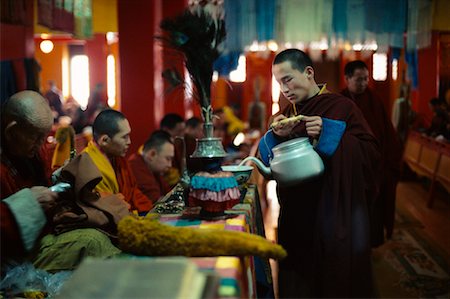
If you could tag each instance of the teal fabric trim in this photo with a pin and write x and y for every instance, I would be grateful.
(332, 131)
(28, 214)
(213, 184)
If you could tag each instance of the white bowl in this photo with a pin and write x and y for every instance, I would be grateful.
(241, 173)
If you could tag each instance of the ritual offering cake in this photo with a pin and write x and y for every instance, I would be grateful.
(215, 192)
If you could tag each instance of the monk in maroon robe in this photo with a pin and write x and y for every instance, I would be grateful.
(149, 165)
(383, 210)
(324, 223)
(26, 120)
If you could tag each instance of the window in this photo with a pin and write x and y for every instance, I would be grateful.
(79, 79)
(111, 79)
(379, 67)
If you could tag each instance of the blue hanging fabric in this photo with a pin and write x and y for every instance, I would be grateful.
(418, 34)
(265, 19)
(356, 21)
(7, 79)
(386, 20)
(413, 67)
(226, 63)
(396, 53)
(240, 22)
(339, 23)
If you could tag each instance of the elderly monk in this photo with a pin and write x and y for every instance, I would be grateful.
(108, 148)
(324, 222)
(154, 161)
(26, 120)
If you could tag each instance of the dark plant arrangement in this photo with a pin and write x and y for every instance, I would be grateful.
(198, 34)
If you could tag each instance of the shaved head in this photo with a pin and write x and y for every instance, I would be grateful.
(26, 121)
(30, 107)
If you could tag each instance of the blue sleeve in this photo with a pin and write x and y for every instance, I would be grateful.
(332, 131)
(267, 142)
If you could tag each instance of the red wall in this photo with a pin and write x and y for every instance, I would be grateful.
(16, 43)
(96, 49)
(428, 79)
(137, 67)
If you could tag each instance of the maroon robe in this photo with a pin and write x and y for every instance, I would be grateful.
(324, 223)
(151, 184)
(15, 175)
(391, 155)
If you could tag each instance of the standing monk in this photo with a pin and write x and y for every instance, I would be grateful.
(383, 210)
(324, 223)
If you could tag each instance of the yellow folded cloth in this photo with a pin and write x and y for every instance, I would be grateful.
(109, 183)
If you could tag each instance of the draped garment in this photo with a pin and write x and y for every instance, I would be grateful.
(324, 223)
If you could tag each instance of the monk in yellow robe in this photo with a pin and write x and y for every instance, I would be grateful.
(108, 148)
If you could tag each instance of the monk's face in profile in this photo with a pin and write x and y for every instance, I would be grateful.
(117, 145)
(160, 160)
(358, 82)
(295, 85)
(25, 140)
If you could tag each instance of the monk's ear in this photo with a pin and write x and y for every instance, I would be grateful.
(10, 128)
(309, 71)
(152, 152)
(104, 140)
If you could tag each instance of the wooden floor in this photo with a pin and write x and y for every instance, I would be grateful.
(411, 196)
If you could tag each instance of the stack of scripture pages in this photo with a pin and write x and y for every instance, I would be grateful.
(152, 278)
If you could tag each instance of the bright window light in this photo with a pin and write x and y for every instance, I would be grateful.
(111, 79)
(275, 96)
(379, 67)
(239, 74)
(215, 76)
(395, 69)
(65, 77)
(79, 79)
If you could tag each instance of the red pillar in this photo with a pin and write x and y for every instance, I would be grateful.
(97, 51)
(141, 90)
(174, 99)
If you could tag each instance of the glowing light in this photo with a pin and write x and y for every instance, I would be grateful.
(79, 77)
(240, 137)
(65, 77)
(379, 67)
(46, 46)
(239, 75)
(254, 46)
(395, 69)
(215, 76)
(357, 47)
(272, 45)
(111, 80)
(275, 96)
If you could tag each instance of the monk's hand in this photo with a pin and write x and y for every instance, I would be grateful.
(313, 125)
(44, 196)
(281, 128)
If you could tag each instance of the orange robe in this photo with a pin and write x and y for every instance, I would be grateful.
(118, 178)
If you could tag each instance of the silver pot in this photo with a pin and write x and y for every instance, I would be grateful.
(294, 161)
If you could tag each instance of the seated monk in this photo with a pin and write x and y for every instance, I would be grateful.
(111, 139)
(149, 166)
(26, 120)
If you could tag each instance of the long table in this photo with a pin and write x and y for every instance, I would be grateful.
(240, 277)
